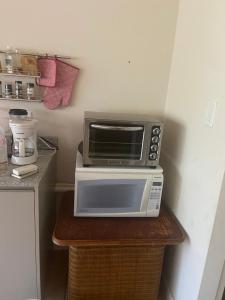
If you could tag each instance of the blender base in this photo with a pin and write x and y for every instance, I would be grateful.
(24, 160)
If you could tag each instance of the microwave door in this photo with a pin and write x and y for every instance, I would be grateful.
(109, 197)
(115, 141)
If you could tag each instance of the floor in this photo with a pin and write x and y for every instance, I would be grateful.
(57, 276)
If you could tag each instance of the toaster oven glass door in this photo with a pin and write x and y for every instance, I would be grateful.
(110, 196)
(115, 141)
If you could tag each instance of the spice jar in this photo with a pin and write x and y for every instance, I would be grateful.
(0, 89)
(30, 90)
(8, 90)
(18, 89)
(9, 60)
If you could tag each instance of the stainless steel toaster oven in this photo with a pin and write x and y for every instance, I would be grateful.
(121, 140)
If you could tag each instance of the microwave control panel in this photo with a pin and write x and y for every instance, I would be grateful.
(155, 195)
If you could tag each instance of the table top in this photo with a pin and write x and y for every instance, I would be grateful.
(93, 231)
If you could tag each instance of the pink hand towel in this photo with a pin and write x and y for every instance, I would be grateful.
(47, 68)
(61, 93)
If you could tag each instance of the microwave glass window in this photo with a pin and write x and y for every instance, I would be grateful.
(115, 140)
(110, 195)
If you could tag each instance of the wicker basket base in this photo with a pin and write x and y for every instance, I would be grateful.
(115, 273)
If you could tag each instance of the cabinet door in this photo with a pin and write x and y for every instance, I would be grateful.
(17, 246)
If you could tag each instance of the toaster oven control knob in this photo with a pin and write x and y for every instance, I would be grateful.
(155, 139)
(153, 156)
(154, 148)
(156, 131)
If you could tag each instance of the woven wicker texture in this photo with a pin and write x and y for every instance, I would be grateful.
(118, 273)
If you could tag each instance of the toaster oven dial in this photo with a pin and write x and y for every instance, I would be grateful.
(156, 131)
(153, 156)
(155, 139)
(154, 148)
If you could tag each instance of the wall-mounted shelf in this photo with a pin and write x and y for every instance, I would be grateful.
(17, 52)
(20, 99)
(19, 74)
(24, 77)
(18, 78)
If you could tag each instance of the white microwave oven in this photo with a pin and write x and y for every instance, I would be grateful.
(116, 191)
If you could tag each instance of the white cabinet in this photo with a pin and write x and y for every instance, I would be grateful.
(26, 224)
(18, 279)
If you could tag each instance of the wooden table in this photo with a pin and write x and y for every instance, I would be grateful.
(115, 258)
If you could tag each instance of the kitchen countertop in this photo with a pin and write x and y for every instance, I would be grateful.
(8, 182)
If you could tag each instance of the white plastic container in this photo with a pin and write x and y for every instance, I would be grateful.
(3, 151)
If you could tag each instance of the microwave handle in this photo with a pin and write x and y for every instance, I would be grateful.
(121, 128)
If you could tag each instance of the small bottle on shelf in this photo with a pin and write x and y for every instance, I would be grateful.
(18, 90)
(9, 60)
(30, 91)
(8, 90)
(1, 89)
(17, 61)
(3, 152)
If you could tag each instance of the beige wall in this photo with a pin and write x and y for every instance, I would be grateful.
(102, 36)
(195, 153)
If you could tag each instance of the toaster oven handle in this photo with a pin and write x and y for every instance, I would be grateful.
(121, 128)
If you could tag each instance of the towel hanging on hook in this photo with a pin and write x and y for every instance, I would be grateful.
(60, 94)
(47, 69)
